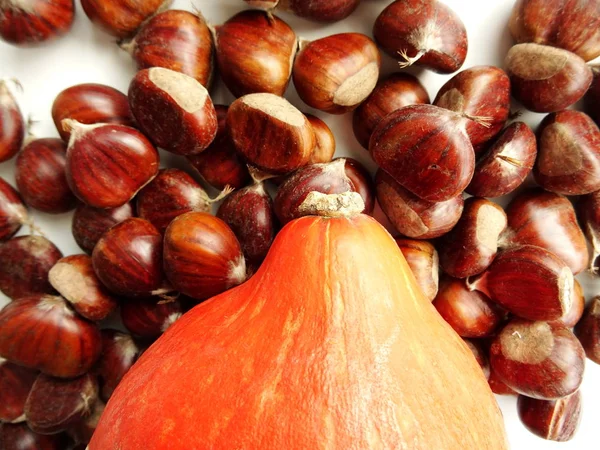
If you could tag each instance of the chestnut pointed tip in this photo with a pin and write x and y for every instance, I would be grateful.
(237, 273)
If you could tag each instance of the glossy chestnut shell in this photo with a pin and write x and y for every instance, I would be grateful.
(12, 124)
(13, 212)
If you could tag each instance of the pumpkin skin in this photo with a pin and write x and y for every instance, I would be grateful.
(330, 345)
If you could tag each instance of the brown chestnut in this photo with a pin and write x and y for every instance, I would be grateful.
(538, 359)
(325, 141)
(255, 53)
(128, 259)
(362, 182)
(149, 318)
(319, 10)
(480, 356)
(546, 79)
(119, 353)
(82, 431)
(24, 265)
(392, 93)
(422, 32)
(413, 217)
(202, 256)
(592, 96)
(20, 437)
(588, 330)
(34, 21)
(504, 166)
(74, 278)
(174, 110)
(176, 40)
(41, 176)
(108, 164)
(553, 420)
(470, 313)
(422, 258)
(13, 212)
(90, 103)
(15, 385)
(588, 209)
(41, 332)
(12, 124)
(89, 224)
(498, 386)
(336, 73)
(270, 133)
(572, 317)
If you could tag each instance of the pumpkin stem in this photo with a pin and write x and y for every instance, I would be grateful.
(347, 204)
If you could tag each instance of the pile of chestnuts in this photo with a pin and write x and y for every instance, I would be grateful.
(503, 278)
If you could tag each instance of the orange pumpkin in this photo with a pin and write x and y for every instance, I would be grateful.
(330, 345)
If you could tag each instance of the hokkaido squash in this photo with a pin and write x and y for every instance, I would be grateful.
(330, 345)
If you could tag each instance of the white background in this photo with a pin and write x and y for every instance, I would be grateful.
(89, 55)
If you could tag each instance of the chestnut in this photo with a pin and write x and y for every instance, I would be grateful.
(41, 176)
(546, 79)
(81, 432)
(24, 265)
(422, 258)
(121, 18)
(548, 220)
(413, 217)
(149, 318)
(325, 141)
(568, 159)
(13, 212)
(176, 40)
(504, 166)
(89, 224)
(255, 53)
(572, 317)
(423, 32)
(20, 437)
(35, 21)
(588, 330)
(553, 420)
(42, 333)
(522, 273)
(406, 144)
(588, 209)
(362, 182)
(249, 213)
(202, 256)
(119, 353)
(538, 359)
(471, 246)
(470, 313)
(480, 356)
(74, 278)
(319, 10)
(478, 92)
(90, 103)
(220, 165)
(174, 110)
(12, 124)
(337, 73)
(15, 385)
(571, 26)
(392, 93)
(498, 386)
(108, 164)
(55, 404)
(128, 258)
(592, 96)
(270, 133)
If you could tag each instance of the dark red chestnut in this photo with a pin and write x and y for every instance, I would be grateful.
(255, 53)
(392, 93)
(423, 32)
(548, 220)
(149, 318)
(202, 256)
(498, 386)
(325, 141)
(569, 24)
(422, 258)
(24, 265)
(108, 164)
(480, 356)
(546, 79)
(89, 224)
(74, 278)
(13, 212)
(41, 332)
(568, 159)
(336, 73)
(34, 21)
(572, 317)
(592, 97)
(319, 10)
(90, 104)
(553, 420)
(406, 144)
(176, 40)
(83, 430)
(15, 385)
(174, 110)
(122, 18)
(20, 437)
(41, 177)
(362, 182)
(504, 166)
(128, 259)
(12, 124)
(538, 359)
(413, 217)
(479, 92)
(588, 330)
(119, 353)
(270, 133)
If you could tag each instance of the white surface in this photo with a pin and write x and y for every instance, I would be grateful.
(88, 55)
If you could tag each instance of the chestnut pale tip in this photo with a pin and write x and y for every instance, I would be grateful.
(237, 272)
